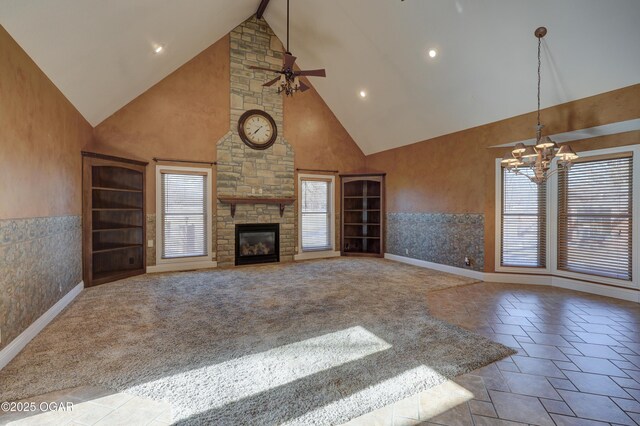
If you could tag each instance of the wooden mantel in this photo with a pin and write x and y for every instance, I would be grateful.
(233, 201)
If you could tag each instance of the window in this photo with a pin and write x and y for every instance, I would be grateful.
(595, 217)
(184, 213)
(523, 222)
(316, 214)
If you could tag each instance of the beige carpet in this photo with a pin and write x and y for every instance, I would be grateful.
(316, 342)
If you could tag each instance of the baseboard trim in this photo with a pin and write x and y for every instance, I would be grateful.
(515, 278)
(527, 279)
(17, 344)
(437, 266)
(176, 267)
(309, 255)
(564, 282)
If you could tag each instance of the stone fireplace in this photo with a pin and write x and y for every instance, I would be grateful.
(257, 243)
(243, 172)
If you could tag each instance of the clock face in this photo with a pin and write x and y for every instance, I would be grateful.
(257, 129)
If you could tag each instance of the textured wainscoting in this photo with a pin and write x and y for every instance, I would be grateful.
(40, 262)
(437, 237)
(151, 235)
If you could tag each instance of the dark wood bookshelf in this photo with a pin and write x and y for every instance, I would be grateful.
(114, 219)
(362, 208)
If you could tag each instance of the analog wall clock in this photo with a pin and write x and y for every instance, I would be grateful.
(257, 129)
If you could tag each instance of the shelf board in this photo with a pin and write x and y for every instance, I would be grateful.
(233, 201)
(362, 253)
(362, 223)
(117, 209)
(361, 237)
(100, 277)
(104, 188)
(121, 228)
(116, 247)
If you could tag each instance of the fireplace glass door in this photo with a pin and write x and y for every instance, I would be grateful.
(257, 243)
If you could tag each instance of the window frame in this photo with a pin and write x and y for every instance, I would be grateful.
(160, 218)
(635, 238)
(316, 254)
(498, 231)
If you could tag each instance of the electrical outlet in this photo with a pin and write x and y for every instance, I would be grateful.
(467, 261)
(60, 288)
(253, 190)
(149, 243)
(406, 251)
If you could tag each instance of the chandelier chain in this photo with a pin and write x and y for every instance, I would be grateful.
(539, 66)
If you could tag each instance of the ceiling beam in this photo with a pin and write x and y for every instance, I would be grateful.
(261, 8)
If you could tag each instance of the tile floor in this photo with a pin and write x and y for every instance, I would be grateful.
(578, 363)
(90, 405)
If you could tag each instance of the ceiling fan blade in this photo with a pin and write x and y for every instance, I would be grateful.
(264, 69)
(289, 60)
(303, 87)
(312, 73)
(272, 82)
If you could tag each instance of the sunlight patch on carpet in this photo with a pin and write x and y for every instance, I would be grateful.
(249, 375)
(454, 396)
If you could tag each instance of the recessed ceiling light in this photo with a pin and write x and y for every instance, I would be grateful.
(433, 53)
(363, 94)
(158, 49)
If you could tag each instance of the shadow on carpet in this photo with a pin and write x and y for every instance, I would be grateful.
(305, 343)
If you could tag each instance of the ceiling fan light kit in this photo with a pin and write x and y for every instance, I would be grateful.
(537, 158)
(289, 79)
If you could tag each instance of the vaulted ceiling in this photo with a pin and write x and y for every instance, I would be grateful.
(99, 54)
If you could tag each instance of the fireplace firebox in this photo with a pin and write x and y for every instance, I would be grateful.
(257, 243)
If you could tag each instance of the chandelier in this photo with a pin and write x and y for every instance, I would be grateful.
(289, 83)
(534, 161)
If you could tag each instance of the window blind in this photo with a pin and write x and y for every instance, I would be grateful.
(594, 217)
(523, 222)
(316, 215)
(184, 215)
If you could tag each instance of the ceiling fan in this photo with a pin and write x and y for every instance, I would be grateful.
(289, 81)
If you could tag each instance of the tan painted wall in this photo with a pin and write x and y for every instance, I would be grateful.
(455, 173)
(318, 138)
(181, 117)
(41, 135)
(185, 114)
(320, 142)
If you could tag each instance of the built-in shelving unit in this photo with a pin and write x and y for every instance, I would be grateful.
(362, 214)
(113, 218)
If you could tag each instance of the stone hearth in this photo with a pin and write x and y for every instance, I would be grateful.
(241, 170)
